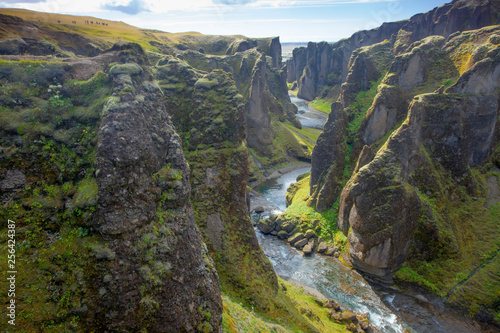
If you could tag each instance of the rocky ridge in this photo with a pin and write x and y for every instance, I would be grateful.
(320, 67)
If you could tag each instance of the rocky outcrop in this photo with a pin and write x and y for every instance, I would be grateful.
(311, 68)
(328, 159)
(275, 52)
(328, 64)
(259, 120)
(425, 63)
(408, 71)
(159, 273)
(230, 45)
(482, 78)
(388, 108)
(367, 64)
(262, 86)
(428, 63)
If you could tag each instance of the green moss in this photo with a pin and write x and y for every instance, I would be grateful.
(357, 110)
(86, 194)
(205, 83)
(292, 142)
(408, 275)
(131, 69)
(58, 124)
(465, 253)
(292, 311)
(306, 133)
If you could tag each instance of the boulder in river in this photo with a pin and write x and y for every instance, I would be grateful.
(309, 248)
(265, 226)
(301, 243)
(259, 209)
(331, 251)
(322, 247)
(295, 238)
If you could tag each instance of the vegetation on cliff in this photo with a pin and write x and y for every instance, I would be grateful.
(449, 242)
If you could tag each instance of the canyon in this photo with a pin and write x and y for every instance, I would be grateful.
(128, 158)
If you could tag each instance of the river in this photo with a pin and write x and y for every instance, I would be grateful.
(325, 274)
(389, 310)
(308, 116)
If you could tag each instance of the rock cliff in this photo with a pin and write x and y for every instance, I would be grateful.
(320, 67)
(408, 157)
(214, 127)
(115, 232)
(412, 156)
(261, 83)
(164, 274)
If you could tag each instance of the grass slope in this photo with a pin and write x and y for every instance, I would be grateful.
(303, 314)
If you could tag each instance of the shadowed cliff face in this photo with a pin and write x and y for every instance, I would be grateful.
(409, 151)
(429, 64)
(380, 205)
(356, 67)
(328, 159)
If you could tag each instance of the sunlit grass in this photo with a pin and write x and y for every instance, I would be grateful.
(322, 105)
(292, 311)
(307, 132)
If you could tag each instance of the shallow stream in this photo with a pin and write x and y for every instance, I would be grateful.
(389, 310)
(307, 116)
(327, 275)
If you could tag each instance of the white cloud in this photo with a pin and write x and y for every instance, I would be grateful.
(161, 6)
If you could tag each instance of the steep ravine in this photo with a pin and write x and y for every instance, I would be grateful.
(126, 167)
(406, 159)
(389, 309)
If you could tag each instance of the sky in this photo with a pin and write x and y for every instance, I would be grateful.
(291, 20)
